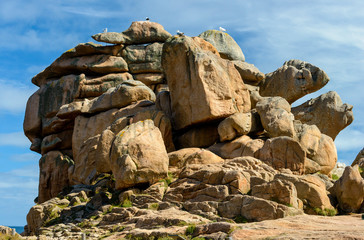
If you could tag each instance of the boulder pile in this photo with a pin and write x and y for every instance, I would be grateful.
(153, 135)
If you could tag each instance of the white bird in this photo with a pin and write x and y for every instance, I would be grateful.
(105, 30)
(147, 19)
(222, 29)
(180, 33)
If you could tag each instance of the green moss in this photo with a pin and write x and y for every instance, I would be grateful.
(325, 212)
(127, 203)
(154, 206)
(190, 229)
(240, 219)
(335, 177)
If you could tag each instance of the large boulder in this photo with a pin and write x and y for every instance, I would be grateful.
(293, 80)
(93, 64)
(281, 191)
(359, 159)
(138, 33)
(32, 124)
(283, 152)
(249, 73)
(224, 43)
(349, 190)
(327, 112)
(203, 87)
(144, 59)
(239, 147)
(238, 124)
(276, 117)
(53, 176)
(138, 155)
(311, 190)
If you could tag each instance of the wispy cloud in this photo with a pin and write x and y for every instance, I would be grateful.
(17, 139)
(14, 97)
(25, 157)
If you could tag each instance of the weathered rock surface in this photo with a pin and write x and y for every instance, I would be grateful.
(359, 159)
(138, 33)
(203, 87)
(349, 190)
(293, 80)
(224, 43)
(275, 114)
(53, 176)
(327, 112)
(283, 152)
(248, 72)
(138, 155)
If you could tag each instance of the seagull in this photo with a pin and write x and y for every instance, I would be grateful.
(147, 19)
(105, 30)
(180, 33)
(222, 29)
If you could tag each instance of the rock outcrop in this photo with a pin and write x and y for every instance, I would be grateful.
(156, 135)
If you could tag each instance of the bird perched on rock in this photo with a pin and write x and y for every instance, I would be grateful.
(147, 19)
(180, 33)
(105, 30)
(222, 29)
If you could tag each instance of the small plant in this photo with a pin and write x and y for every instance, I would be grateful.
(190, 229)
(127, 203)
(325, 212)
(334, 177)
(85, 224)
(117, 228)
(154, 206)
(240, 219)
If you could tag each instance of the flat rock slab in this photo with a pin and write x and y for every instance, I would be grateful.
(304, 227)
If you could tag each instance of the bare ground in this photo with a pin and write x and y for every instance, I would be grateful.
(304, 227)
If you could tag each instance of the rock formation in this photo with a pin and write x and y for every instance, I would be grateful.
(157, 135)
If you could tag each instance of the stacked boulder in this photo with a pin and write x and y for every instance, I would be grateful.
(152, 105)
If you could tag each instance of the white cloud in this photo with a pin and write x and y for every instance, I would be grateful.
(350, 140)
(17, 139)
(26, 157)
(14, 97)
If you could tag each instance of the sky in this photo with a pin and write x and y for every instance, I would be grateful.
(328, 34)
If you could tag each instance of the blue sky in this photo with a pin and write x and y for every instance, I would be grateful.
(329, 34)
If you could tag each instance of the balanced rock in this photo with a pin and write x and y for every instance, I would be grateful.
(224, 43)
(327, 112)
(138, 33)
(275, 114)
(203, 87)
(248, 72)
(349, 190)
(138, 155)
(293, 80)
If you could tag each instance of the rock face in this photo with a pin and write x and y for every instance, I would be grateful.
(327, 112)
(138, 155)
(203, 87)
(349, 190)
(156, 135)
(293, 80)
(224, 43)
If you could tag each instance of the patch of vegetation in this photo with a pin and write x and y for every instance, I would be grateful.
(9, 237)
(127, 203)
(117, 228)
(190, 229)
(85, 224)
(240, 219)
(325, 212)
(334, 177)
(154, 206)
(167, 181)
(52, 219)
